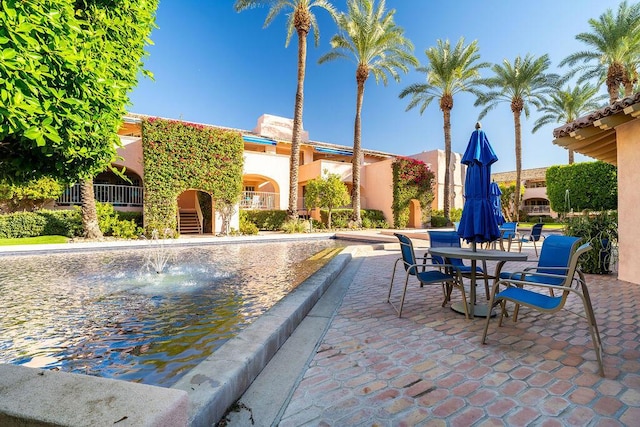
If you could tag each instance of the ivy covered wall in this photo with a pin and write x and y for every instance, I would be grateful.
(585, 185)
(179, 156)
(412, 179)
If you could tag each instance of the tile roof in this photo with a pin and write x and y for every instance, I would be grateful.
(525, 174)
(594, 135)
(588, 120)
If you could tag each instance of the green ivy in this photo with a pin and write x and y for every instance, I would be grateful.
(179, 156)
(412, 179)
(590, 185)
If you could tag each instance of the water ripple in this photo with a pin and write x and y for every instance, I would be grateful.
(106, 314)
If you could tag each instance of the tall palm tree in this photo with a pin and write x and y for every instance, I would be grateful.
(614, 48)
(520, 84)
(370, 37)
(567, 105)
(302, 21)
(449, 71)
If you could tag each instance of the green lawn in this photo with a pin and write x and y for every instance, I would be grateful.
(40, 240)
(553, 226)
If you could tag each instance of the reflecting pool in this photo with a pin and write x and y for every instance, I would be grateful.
(107, 314)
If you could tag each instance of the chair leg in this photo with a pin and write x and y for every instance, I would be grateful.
(392, 277)
(503, 311)
(593, 326)
(404, 292)
(486, 280)
(447, 293)
(460, 285)
(490, 306)
(535, 246)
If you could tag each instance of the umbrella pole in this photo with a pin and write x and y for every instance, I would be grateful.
(473, 246)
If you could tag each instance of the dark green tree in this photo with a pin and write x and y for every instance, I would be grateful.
(66, 70)
(586, 185)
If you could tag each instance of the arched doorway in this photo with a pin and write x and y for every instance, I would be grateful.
(195, 212)
(415, 214)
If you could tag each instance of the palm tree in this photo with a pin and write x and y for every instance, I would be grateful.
(302, 20)
(567, 105)
(614, 47)
(449, 71)
(522, 83)
(370, 37)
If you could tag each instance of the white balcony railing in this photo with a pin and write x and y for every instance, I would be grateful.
(540, 209)
(259, 200)
(117, 195)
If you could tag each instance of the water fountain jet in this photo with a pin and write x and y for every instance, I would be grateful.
(158, 255)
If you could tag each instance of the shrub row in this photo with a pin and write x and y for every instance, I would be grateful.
(438, 220)
(40, 223)
(371, 218)
(269, 220)
(69, 223)
(273, 220)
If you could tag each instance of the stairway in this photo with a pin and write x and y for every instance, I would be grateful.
(189, 223)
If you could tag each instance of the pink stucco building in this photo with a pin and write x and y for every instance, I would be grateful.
(267, 150)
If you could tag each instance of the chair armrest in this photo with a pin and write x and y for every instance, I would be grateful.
(526, 278)
(521, 283)
(423, 267)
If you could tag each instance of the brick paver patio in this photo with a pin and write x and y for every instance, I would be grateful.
(429, 367)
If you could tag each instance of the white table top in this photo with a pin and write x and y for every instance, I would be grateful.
(482, 254)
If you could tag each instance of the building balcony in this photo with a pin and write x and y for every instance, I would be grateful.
(117, 195)
(537, 210)
(259, 200)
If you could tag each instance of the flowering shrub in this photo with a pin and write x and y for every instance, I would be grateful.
(412, 179)
(179, 156)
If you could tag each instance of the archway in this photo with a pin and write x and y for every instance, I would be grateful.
(415, 214)
(195, 212)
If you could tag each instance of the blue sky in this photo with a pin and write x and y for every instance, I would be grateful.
(216, 66)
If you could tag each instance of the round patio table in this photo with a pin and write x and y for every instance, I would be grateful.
(479, 310)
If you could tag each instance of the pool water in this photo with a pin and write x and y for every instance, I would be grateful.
(107, 314)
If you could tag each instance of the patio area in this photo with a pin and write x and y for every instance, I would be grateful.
(429, 367)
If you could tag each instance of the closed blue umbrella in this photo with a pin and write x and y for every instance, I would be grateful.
(496, 202)
(478, 223)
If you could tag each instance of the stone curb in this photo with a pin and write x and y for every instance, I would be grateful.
(221, 379)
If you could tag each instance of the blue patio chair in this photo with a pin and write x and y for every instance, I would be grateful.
(445, 275)
(439, 239)
(534, 236)
(508, 233)
(557, 274)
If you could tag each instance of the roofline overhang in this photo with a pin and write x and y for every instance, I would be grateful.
(594, 135)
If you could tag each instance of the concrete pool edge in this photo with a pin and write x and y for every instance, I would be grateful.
(36, 397)
(234, 369)
(220, 380)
